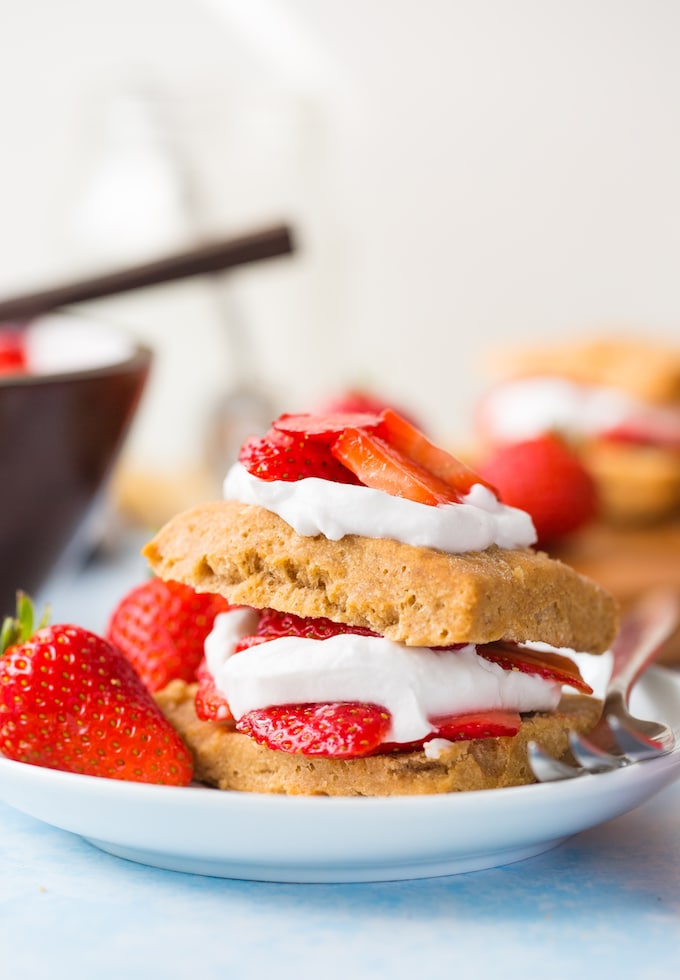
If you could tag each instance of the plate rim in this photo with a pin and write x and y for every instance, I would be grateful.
(54, 797)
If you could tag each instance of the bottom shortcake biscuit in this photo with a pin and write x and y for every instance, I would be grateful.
(228, 760)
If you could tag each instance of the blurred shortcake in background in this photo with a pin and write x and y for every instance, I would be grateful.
(591, 429)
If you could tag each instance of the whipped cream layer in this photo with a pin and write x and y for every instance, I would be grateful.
(313, 506)
(528, 407)
(415, 684)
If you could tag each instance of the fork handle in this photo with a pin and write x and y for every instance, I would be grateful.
(643, 629)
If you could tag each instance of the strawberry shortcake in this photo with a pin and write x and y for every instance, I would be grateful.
(391, 628)
(616, 399)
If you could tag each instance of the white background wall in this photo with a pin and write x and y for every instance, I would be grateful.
(459, 174)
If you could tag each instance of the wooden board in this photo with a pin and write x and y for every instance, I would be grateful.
(627, 562)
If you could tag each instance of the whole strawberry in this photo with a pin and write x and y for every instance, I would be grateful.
(70, 700)
(544, 477)
(161, 628)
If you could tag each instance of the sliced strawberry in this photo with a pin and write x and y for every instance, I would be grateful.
(384, 451)
(382, 467)
(659, 428)
(458, 728)
(478, 724)
(249, 641)
(551, 666)
(361, 400)
(274, 624)
(209, 703)
(325, 428)
(350, 730)
(280, 456)
(410, 441)
(339, 731)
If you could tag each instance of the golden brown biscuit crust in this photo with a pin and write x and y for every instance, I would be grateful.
(230, 761)
(412, 595)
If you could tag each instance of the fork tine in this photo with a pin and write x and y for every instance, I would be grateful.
(546, 768)
(590, 758)
(632, 742)
(593, 758)
(641, 636)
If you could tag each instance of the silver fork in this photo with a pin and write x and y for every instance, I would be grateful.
(619, 738)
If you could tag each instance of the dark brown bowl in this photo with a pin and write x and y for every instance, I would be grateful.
(60, 435)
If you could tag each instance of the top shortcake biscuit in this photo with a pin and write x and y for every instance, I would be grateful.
(413, 595)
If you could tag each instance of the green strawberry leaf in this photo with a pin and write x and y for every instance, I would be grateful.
(21, 627)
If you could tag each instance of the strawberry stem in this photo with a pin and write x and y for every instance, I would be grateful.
(19, 628)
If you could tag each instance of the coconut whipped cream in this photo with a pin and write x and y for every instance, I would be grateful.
(414, 684)
(313, 506)
(528, 407)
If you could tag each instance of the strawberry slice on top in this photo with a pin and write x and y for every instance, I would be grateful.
(326, 428)
(289, 457)
(381, 466)
(380, 450)
(410, 441)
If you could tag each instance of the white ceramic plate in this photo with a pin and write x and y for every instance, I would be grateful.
(318, 839)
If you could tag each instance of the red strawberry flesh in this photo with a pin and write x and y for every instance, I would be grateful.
(273, 624)
(326, 428)
(70, 700)
(210, 704)
(379, 465)
(280, 456)
(339, 730)
(458, 728)
(414, 444)
(479, 724)
(546, 664)
(346, 730)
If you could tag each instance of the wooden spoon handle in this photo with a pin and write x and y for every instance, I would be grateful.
(213, 257)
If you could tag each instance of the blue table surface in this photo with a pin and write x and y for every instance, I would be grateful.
(606, 901)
